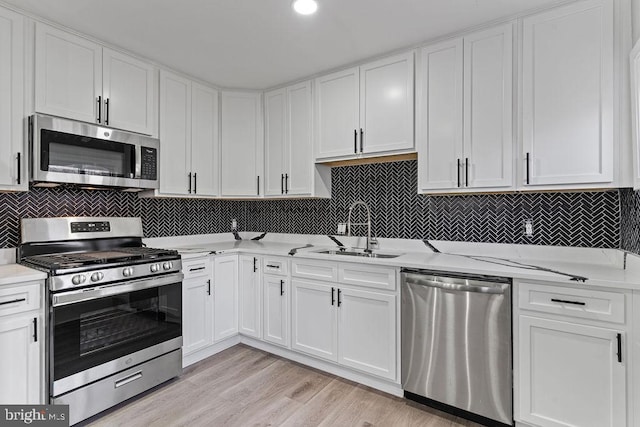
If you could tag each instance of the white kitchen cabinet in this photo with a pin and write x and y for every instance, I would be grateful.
(188, 137)
(567, 96)
(78, 79)
(289, 166)
(241, 144)
(225, 299)
(464, 112)
(275, 322)
(197, 315)
(314, 327)
(250, 296)
(22, 344)
(13, 170)
(634, 58)
(570, 374)
(366, 110)
(367, 331)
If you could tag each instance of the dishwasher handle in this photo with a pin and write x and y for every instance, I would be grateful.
(493, 288)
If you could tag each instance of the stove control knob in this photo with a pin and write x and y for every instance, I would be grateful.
(127, 272)
(167, 265)
(78, 279)
(97, 276)
(154, 268)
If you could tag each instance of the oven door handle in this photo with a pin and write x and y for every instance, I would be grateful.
(87, 294)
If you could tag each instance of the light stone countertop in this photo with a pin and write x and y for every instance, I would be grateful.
(11, 274)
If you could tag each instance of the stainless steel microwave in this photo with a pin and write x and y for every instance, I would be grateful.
(66, 151)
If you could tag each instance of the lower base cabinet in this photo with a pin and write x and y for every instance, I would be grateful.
(197, 320)
(570, 374)
(313, 319)
(20, 365)
(250, 296)
(225, 297)
(275, 320)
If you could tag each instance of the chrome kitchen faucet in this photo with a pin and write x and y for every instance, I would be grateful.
(370, 241)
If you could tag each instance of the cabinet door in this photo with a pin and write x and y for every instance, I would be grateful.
(250, 301)
(570, 375)
(299, 161)
(275, 133)
(367, 332)
(11, 101)
(635, 112)
(175, 134)
(197, 314)
(276, 310)
(241, 144)
(313, 319)
(20, 369)
(128, 87)
(337, 114)
(488, 108)
(225, 297)
(567, 94)
(386, 104)
(439, 116)
(205, 147)
(68, 76)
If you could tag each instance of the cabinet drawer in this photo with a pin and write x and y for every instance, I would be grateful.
(21, 298)
(318, 270)
(197, 267)
(276, 265)
(367, 275)
(580, 303)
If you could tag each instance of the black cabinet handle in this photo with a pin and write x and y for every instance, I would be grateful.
(273, 266)
(258, 185)
(355, 140)
(208, 286)
(106, 115)
(564, 301)
(197, 268)
(189, 182)
(466, 172)
(195, 183)
(458, 171)
(255, 267)
(99, 101)
(13, 301)
(528, 159)
(19, 158)
(35, 329)
(286, 183)
(281, 287)
(361, 139)
(333, 298)
(619, 338)
(282, 183)
(339, 299)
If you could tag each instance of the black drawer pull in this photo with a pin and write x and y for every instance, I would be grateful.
(333, 298)
(273, 266)
(35, 329)
(12, 301)
(281, 287)
(619, 338)
(197, 268)
(564, 301)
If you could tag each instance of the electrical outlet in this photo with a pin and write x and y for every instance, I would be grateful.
(234, 224)
(342, 228)
(528, 228)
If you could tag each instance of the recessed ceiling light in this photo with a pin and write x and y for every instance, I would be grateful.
(305, 7)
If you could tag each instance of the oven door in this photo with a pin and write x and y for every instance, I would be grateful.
(99, 331)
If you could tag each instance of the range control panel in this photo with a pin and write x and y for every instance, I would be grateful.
(90, 227)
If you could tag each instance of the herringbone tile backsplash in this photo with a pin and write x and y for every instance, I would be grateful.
(571, 219)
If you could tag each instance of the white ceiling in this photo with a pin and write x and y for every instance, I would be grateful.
(256, 44)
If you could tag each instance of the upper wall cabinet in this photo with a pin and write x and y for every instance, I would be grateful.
(241, 144)
(12, 155)
(635, 112)
(78, 79)
(365, 110)
(188, 137)
(465, 113)
(289, 165)
(567, 95)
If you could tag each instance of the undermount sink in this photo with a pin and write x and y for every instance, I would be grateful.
(362, 254)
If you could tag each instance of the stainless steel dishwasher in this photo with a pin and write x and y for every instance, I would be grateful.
(456, 344)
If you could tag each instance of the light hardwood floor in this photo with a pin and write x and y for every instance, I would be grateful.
(243, 386)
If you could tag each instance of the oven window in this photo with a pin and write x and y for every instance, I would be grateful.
(90, 333)
(66, 153)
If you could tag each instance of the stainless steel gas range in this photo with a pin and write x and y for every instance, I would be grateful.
(115, 309)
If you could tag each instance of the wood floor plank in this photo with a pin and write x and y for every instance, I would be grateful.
(243, 386)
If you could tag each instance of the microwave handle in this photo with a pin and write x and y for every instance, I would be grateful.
(137, 161)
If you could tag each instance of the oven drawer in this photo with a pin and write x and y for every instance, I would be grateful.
(21, 298)
(580, 303)
(196, 267)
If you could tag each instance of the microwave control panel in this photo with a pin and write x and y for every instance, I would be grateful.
(149, 163)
